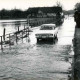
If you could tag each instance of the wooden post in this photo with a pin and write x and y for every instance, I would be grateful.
(28, 31)
(18, 28)
(26, 34)
(22, 36)
(1, 44)
(9, 41)
(16, 37)
(24, 28)
(28, 21)
(4, 34)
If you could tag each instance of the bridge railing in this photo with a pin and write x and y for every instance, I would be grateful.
(14, 37)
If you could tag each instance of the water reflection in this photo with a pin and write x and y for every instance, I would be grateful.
(3, 24)
(17, 23)
(48, 41)
(11, 26)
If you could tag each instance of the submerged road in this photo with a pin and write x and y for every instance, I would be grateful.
(40, 61)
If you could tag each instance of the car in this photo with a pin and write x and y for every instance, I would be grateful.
(47, 31)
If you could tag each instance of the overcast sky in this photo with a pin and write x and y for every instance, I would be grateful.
(25, 4)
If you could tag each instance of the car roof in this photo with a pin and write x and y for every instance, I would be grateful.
(48, 25)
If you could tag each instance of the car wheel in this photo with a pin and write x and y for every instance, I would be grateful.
(37, 39)
(55, 37)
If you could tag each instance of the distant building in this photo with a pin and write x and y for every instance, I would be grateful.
(44, 11)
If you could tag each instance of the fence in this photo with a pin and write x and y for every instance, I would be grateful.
(11, 37)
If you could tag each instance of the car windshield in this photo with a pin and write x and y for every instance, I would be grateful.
(46, 28)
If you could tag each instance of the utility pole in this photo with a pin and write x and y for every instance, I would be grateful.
(28, 19)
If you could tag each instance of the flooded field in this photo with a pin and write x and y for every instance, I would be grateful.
(29, 60)
(12, 25)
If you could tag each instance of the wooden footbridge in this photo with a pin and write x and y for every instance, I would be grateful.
(14, 37)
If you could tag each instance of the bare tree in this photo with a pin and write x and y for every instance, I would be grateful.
(77, 6)
(59, 4)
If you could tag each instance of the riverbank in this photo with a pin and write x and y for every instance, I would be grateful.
(76, 44)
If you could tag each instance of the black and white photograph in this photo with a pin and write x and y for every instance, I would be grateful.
(39, 39)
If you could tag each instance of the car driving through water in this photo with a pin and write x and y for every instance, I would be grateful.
(47, 31)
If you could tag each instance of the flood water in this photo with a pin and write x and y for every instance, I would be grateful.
(12, 25)
(29, 60)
